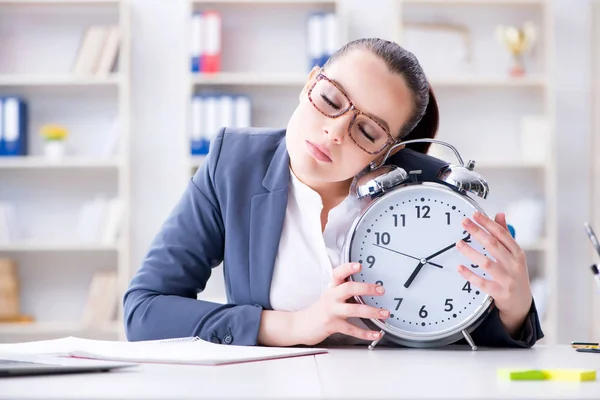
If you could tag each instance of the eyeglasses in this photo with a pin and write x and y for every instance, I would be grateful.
(330, 100)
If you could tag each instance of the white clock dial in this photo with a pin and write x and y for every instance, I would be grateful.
(396, 240)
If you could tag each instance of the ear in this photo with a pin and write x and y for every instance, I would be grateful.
(309, 81)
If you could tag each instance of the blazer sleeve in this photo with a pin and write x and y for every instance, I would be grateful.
(492, 333)
(161, 301)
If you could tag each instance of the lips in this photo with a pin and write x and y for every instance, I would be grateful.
(319, 152)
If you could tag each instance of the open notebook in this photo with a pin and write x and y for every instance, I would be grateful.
(191, 350)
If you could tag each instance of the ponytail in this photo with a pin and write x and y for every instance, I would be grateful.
(426, 128)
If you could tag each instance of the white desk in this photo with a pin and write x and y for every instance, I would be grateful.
(343, 373)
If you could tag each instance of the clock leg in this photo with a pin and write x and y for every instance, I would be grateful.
(469, 340)
(374, 343)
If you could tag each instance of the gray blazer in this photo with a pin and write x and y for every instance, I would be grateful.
(232, 211)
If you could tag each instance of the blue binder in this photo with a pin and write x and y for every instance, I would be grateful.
(1, 126)
(197, 40)
(15, 126)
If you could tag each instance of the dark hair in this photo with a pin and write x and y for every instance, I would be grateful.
(424, 121)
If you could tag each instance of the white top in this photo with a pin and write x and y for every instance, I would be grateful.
(306, 256)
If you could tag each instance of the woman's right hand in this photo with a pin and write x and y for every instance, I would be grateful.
(328, 315)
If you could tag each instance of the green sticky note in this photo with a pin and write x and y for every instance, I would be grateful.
(513, 374)
(570, 375)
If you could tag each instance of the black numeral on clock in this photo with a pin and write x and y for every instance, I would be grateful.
(383, 238)
(402, 217)
(467, 287)
(371, 261)
(423, 211)
(449, 307)
(399, 300)
(468, 238)
(448, 218)
(423, 312)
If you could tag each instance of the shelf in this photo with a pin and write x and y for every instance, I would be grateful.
(257, 79)
(57, 247)
(56, 327)
(254, 2)
(490, 82)
(40, 162)
(59, 2)
(477, 2)
(56, 80)
(299, 79)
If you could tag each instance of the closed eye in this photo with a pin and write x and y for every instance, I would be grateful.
(329, 102)
(369, 137)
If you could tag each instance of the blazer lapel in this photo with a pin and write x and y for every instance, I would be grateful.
(267, 213)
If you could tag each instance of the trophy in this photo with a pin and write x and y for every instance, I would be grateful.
(518, 41)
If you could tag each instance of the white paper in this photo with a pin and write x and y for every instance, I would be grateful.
(183, 352)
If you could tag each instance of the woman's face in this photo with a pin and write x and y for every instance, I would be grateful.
(320, 148)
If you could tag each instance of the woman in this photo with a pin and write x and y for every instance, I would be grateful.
(274, 205)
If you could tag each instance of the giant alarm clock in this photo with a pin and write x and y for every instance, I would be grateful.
(405, 239)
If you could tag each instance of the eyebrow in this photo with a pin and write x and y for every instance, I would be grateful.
(376, 118)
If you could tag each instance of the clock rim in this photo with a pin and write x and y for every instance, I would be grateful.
(446, 336)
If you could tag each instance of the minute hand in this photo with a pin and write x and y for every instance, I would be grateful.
(445, 249)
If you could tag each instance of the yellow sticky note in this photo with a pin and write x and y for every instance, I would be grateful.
(571, 375)
(521, 374)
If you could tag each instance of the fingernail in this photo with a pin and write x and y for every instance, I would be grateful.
(375, 334)
(461, 268)
(467, 222)
(355, 266)
(379, 289)
(460, 244)
(477, 215)
(384, 313)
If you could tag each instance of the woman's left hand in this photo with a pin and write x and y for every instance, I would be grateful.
(510, 287)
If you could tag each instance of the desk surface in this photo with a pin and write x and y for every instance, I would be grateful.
(343, 373)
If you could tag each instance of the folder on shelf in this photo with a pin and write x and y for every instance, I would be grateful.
(211, 60)
(331, 36)
(1, 126)
(14, 130)
(243, 112)
(315, 44)
(198, 140)
(176, 351)
(197, 42)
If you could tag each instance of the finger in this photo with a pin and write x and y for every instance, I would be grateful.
(347, 328)
(348, 310)
(341, 273)
(500, 219)
(496, 270)
(350, 289)
(489, 241)
(486, 286)
(499, 232)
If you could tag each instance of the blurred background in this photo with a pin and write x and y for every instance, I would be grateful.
(108, 107)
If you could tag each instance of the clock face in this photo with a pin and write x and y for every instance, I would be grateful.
(396, 241)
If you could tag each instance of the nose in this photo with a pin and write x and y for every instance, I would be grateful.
(336, 129)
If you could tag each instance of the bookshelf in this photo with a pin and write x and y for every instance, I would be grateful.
(480, 112)
(55, 268)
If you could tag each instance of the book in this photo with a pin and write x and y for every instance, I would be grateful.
(192, 350)
(102, 301)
